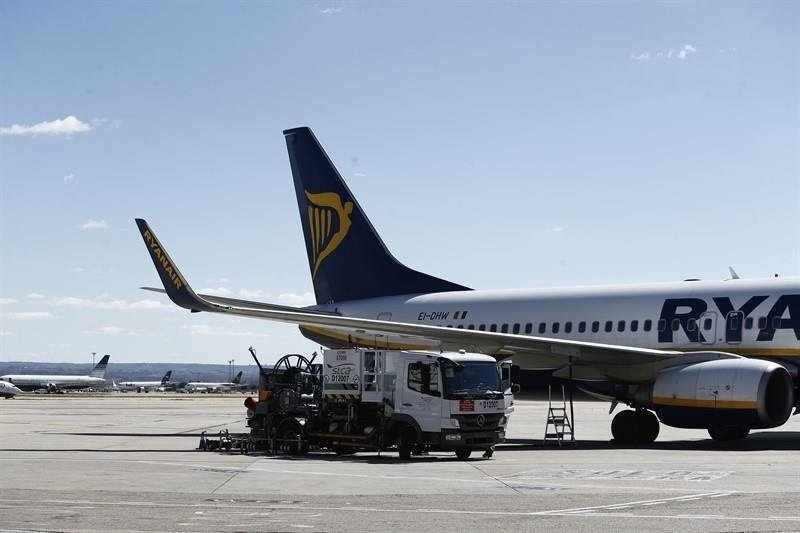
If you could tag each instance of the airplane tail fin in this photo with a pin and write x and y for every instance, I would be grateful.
(99, 370)
(238, 378)
(167, 377)
(347, 258)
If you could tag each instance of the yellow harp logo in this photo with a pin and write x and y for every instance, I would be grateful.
(328, 223)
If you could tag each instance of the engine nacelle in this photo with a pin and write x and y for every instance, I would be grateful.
(750, 393)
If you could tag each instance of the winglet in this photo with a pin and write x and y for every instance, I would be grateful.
(175, 284)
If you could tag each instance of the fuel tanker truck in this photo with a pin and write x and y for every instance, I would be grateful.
(378, 400)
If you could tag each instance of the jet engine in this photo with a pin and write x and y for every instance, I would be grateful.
(745, 393)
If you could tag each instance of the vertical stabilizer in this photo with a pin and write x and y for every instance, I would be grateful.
(347, 258)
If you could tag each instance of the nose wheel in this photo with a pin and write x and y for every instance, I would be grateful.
(635, 427)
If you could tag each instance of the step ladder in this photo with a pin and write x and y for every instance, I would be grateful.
(558, 424)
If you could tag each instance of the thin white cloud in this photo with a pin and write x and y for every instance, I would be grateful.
(555, 228)
(93, 224)
(107, 303)
(253, 294)
(219, 281)
(28, 315)
(69, 179)
(77, 270)
(5, 333)
(62, 126)
(206, 330)
(35, 296)
(296, 300)
(7, 301)
(218, 291)
(331, 10)
(671, 54)
(110, 330)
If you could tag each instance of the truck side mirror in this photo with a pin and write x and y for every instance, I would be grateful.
(516, 389)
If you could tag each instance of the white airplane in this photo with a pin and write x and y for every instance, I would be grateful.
(203, 386)
(55, 383)
(145, 386)
(716, 355)
(7, 390)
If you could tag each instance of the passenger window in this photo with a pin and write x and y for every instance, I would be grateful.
(567, 327)
(482, 327)
(648, 325)
(776, 322)
(662, 324)
(621, 326)
(528, 327)
(504, 328)
(676, 323)
(595, 326)
(735, 324)
(691, 324)
(762, 322)
(515, 331)
(582, 327)
(542, 327)
(455, 315)
(471, 326)
(493, 327)
(460, 326)
(609, 326)
(748, 323)
(424, 378)
(463, 315)
(634, 325)
(707, 323)
(555, 327)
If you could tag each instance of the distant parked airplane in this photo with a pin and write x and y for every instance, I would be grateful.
(56, 383)
(7, 390)
(202, 386)
(146, 386)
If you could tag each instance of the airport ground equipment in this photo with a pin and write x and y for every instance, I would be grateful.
(377, 400)
(559, 423)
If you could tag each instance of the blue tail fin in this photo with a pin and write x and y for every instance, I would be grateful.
(348, 259)
(99, 370)
(167, 377)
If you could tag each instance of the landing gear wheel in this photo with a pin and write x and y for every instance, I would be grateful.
(728, 433)
(647, 427)
(463, 453)
(635, 427)
(623, 427)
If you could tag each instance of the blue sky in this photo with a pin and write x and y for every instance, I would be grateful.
(496, 145)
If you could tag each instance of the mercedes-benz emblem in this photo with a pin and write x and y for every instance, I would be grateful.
(481, 420)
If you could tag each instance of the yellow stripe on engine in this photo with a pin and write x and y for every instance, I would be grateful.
(707, 404)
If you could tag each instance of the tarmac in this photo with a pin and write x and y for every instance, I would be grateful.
(128, 462)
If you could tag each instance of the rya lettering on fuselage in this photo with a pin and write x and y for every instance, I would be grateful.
(688, 314)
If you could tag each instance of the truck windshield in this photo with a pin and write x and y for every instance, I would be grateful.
(471, 378)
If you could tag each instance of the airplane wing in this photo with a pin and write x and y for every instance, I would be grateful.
(502, 344)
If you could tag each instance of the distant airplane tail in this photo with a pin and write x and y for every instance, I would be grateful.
(347, 258)
(238, 378)
(99, 370)
(167, 377)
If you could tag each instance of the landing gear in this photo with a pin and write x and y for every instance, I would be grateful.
(635, 427)
(727, 433)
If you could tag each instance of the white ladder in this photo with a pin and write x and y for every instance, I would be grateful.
(558, 419)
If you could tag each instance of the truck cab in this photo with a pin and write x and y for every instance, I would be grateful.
(454, 401)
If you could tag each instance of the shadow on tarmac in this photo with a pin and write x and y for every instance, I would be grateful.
(756, 442)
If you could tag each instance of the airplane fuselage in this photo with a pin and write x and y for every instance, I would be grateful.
(755, 318)
(36, 381)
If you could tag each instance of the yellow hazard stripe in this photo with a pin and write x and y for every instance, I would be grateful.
(709, 404)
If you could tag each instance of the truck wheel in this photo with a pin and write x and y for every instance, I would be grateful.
(463, 453)
(341, 450)
(406, 444)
